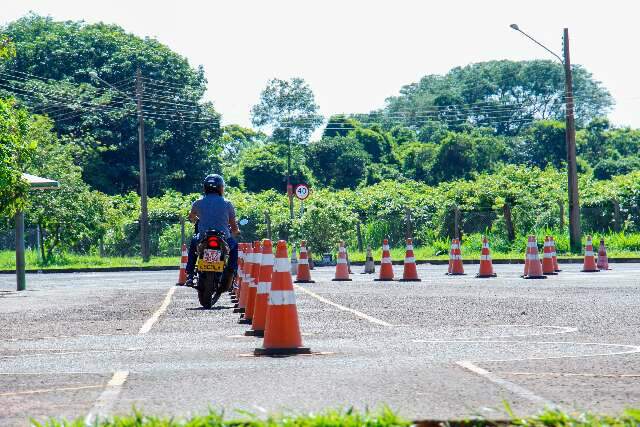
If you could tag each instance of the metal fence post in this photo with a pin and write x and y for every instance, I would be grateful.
(456, 222)
(508, 222)
(267, 220)
(359, 236)
(182, 232)
(408, 231)
(617, 221)
(561, 205)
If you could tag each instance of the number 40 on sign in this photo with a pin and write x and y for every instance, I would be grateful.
(302, 191)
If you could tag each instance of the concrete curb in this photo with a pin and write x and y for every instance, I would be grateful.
(359, 263)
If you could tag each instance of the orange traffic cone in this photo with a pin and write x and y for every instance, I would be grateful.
(182, 275)
(342, 269)
(547, 258)
(455, 259)
(603, 260)
(233, 292)
(554, 254)
(590, 265)
(386, 267)
(486, 264)
(304, 272)
(533, 269)
(410, 272)
(282, 331)
(244, 278)
(262, 291)
(252, 288)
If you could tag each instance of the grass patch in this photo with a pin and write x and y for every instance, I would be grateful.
(8, 261)
(351, 418)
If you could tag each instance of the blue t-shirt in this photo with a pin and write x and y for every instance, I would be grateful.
(214, 213)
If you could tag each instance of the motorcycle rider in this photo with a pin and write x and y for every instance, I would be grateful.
(214, 212)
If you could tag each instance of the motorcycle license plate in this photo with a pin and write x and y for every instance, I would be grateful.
(211, 261)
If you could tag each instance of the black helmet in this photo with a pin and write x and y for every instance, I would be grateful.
(213, 184)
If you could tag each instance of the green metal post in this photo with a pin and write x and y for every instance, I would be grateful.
(20, 262)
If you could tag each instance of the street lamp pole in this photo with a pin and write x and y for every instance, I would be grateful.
(575, 232)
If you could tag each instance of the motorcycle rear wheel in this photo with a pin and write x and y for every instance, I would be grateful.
(206, 287)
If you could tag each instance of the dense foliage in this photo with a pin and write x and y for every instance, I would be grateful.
(54, 72)
(482, 146)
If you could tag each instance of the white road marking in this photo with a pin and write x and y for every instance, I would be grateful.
(107, 399)
(570, 374)
(343, 308)
(153, 319)
(104, 404)
(50, 390)
(507, 385)
(631, 349)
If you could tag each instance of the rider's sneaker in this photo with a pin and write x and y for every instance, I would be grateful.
(189, 282)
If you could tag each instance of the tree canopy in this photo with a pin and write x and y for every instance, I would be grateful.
(54, 73)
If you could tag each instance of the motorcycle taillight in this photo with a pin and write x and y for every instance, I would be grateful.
(213, 242)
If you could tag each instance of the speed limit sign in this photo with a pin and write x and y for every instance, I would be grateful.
(302, 191)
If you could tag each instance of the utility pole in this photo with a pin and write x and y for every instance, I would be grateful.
(144, 214)
(575, 238)
(289, 185)
(575, 233)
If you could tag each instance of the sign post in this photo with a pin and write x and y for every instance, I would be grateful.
(302, 192)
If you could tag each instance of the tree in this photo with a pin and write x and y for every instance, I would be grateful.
(289, 108)
(504, 95)
(543, 143)
(264, 168)
(338, 162)
(16, 149)
(373, 142)
(72, 217)
(235, 139)
(339, 125)
(52, 73)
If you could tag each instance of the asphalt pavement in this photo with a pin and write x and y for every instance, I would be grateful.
(92, 344)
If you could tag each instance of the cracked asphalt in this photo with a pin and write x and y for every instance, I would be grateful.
(446, 347)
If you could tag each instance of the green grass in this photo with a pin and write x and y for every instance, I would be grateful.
(8, 261)
(351, 418)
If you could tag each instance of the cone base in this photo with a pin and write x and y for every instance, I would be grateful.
(179, 284)
(455, 274)
(244, 321)
(341, 280)
(281, 351)
(534, 277)
(238, 310)
(557, 271)
(589, 271)
(254, 333)
(485, 276)
(304, 281)
(550, 274)
(410, 280)
(391, 279)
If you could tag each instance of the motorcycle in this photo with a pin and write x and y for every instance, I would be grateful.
(211, 267)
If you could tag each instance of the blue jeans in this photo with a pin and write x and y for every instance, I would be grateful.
(233, 254)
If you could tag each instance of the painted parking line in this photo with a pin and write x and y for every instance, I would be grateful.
(102, 407)
(343, 308)
(507, 385)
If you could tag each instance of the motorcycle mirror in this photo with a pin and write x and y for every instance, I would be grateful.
(244, 221)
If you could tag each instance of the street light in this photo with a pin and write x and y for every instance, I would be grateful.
(144, 213)
(570, 132)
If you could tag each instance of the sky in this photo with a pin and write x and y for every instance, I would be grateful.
(354, 53)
